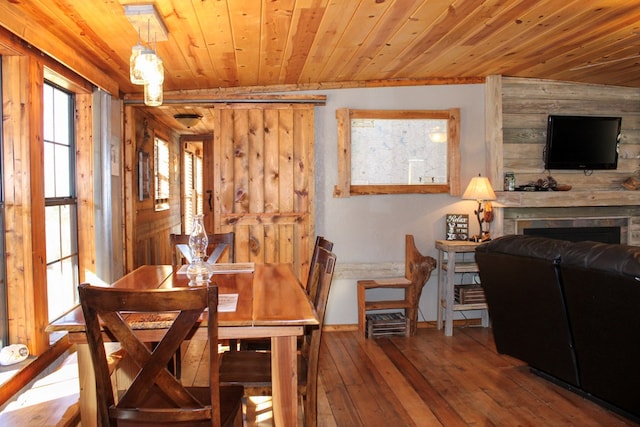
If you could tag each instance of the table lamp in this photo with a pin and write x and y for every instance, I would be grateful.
(479, 189)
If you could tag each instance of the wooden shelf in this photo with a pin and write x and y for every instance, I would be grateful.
(463, 267)
(446, 281)
(386, 304)
(550, 199)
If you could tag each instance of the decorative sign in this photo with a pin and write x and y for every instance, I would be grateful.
(457, 226)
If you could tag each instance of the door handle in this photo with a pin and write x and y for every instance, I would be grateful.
(210, 200)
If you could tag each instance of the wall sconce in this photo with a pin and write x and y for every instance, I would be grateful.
(480, 190)
(188, 120)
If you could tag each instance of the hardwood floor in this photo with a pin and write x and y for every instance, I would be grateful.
(433, 380)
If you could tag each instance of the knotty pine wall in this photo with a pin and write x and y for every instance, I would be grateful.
(149, 239)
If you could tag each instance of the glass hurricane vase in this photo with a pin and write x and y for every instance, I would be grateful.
(199, 270)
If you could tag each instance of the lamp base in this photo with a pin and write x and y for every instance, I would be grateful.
(484, 237)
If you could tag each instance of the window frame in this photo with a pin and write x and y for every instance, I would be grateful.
(344, 187)
(69, 200)
(161, 173)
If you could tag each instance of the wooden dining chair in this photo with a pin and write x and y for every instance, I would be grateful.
(252, 369)
(321, 242)
(219, 244)
(155, 396)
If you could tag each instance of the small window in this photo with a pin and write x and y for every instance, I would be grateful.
(162, 171)
(60, 201)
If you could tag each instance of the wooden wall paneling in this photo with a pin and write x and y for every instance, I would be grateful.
(304, 186)
(85, 186)
(224, 180)
(271, 182)
(526, 104)
(130, 183)
(256, 181)
(17, 193)
(493, 130)
(240, 178)
(264, 148)
(36, 180)
(150, 228)
(287, 189)
(24, 201)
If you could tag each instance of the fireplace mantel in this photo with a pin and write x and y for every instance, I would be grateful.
(552, 199)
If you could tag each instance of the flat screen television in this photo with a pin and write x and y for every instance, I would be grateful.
(582, 142)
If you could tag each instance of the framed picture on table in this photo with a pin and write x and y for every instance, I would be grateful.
(457, 227)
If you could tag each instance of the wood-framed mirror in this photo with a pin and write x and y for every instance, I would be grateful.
(398, 152)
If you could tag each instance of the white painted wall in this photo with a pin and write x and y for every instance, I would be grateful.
(371, 229)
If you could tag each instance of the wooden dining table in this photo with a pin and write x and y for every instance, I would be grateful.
(271, 303)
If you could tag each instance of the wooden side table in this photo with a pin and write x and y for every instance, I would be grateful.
(446, 284)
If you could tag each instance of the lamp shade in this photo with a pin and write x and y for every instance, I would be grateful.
(479, 189)
(188, 119)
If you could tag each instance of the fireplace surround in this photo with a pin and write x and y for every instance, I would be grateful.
(577, 234)
(588, 223)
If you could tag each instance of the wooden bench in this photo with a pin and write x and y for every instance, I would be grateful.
(407, 303)
(418, 269)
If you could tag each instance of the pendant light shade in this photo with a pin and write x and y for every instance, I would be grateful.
(136, 77)
(153, 95)
(145, 66)
(148, 66)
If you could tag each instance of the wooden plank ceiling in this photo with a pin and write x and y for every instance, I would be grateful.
(261, 45)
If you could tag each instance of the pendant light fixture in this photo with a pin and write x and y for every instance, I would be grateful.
(145, 66)
(136, 77)
(153, 96)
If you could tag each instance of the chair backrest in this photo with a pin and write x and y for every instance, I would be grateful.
(178, 241)
(115, 311)
(418, 270)
(326, 262)
(321, 242)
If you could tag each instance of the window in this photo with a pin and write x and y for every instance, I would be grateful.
(162, 182)
(192, 182)
(60, 201)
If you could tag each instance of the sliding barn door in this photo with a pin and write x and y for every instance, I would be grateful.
(261, 172)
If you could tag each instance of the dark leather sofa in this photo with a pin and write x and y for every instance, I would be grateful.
(570, 310)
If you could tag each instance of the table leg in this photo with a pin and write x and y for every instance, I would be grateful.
(440, 307)
(86, 376)
(449, 292)
(284, 377)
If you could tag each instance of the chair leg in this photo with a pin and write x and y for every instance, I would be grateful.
(361, 308)
(177, 359)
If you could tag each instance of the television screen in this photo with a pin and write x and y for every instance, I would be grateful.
(582, 142)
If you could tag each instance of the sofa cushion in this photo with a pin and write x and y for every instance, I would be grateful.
(611, 258)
